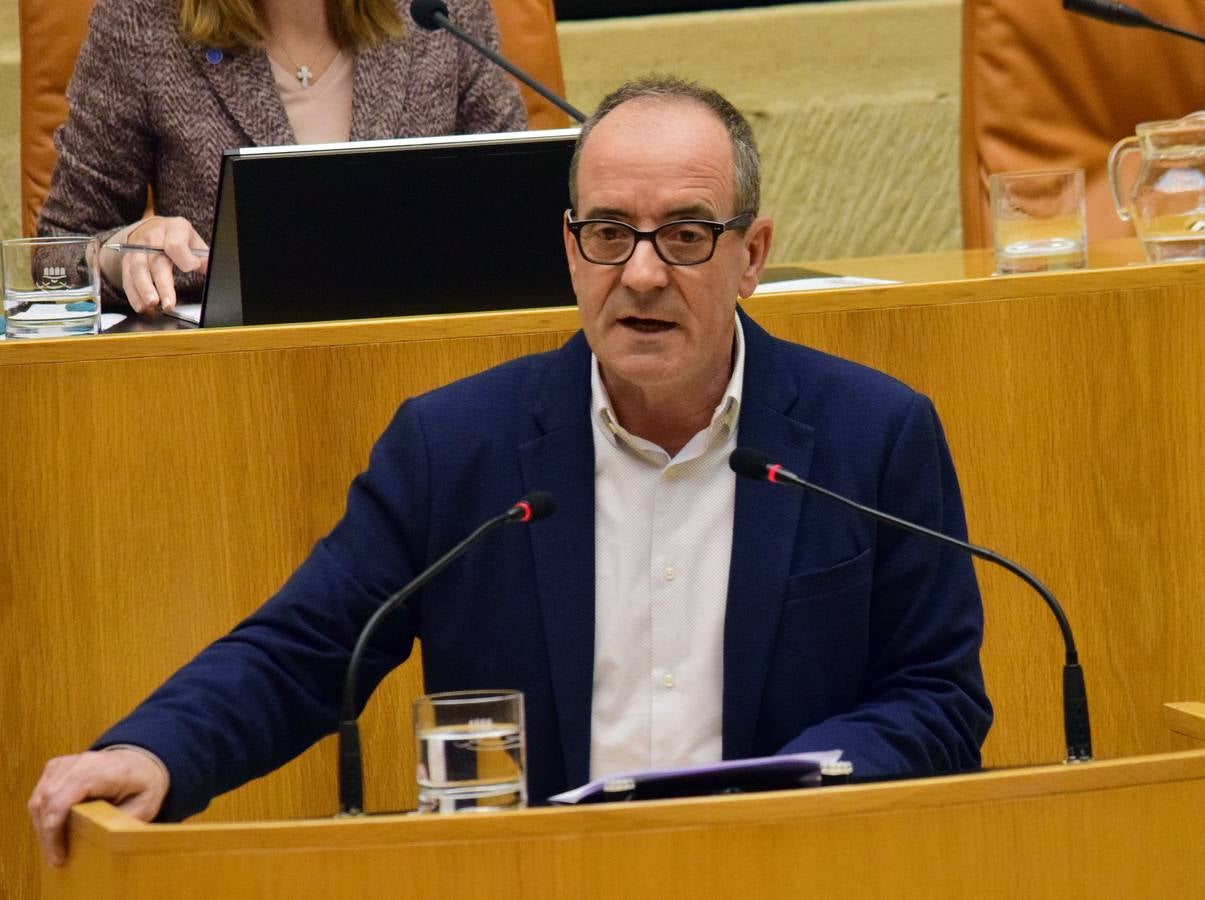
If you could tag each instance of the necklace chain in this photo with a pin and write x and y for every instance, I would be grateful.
(303, 71)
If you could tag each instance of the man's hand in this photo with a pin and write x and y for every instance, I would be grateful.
(129, 779)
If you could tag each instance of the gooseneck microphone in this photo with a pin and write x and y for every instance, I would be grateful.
(1120, 14)
(432, 15)
(535, 506)
(759, 467)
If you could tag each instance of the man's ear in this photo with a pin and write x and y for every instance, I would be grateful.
(757, 246)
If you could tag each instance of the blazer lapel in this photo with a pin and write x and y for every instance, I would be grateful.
(562, 461)
(245, 88)
(378, 100)
(764, 536)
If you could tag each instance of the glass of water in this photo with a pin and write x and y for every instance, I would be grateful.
(51, 287)
(1038, 220)
(471, 754)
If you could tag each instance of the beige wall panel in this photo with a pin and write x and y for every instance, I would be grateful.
(854, 104)
(10, 189)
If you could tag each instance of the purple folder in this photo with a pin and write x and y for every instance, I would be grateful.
(736, 776)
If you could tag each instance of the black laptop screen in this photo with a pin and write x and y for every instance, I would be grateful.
(406, 230)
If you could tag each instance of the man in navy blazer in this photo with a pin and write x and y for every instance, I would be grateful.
(835, 632)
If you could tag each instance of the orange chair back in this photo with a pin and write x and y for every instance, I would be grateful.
(1043, 88)
(51, 32)
(528, 30)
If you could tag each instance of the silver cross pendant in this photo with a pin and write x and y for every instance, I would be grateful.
(303, 75)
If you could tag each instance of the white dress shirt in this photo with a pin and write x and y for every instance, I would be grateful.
(663, 544)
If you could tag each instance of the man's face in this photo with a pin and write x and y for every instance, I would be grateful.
(654, 326)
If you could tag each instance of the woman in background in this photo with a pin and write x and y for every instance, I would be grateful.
(162, 87)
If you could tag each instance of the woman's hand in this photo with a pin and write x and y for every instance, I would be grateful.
(148, 279)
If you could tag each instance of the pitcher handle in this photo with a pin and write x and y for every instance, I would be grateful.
(1120, 149)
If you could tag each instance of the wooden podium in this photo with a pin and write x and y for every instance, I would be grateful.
(211, 461)
(1117, 828)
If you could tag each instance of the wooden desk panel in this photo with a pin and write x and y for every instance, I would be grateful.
(207, 463)
(1107, 829)
(1075, 419)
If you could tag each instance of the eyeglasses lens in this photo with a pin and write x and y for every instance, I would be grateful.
(679, 243)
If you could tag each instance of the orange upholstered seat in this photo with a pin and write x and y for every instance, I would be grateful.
(1044, 88)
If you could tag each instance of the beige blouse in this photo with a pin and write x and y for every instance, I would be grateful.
(321, 113)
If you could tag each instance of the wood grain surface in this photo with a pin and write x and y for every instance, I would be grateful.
(158, 487)
(1106, 829)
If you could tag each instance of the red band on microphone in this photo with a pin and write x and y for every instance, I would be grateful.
(772, 472)
(526, 507)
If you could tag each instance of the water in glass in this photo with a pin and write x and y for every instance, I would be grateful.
(477, 765)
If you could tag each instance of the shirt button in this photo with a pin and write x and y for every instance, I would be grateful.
(670, 573)
(668, 679)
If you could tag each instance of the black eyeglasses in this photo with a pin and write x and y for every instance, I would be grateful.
(687, 242)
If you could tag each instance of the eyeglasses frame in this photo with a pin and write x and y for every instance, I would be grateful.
(738, 222)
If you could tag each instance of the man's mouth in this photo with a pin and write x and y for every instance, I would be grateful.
(646, 326)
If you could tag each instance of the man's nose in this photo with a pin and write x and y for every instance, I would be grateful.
(645, 270)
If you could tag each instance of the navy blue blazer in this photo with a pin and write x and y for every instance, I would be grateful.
(839, 633)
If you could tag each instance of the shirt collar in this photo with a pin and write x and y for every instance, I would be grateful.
(723, 419)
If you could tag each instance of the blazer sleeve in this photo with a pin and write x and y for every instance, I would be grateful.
(489, 99)
(262, 694)
(106, 150)
(923, 708)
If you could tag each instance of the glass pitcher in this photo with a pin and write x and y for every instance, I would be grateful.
(1167, 200)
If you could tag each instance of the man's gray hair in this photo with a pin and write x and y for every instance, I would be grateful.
(746, 163)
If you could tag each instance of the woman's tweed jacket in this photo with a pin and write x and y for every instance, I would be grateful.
(148, 108)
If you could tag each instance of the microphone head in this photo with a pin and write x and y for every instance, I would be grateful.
(424, 11)
(749, 463)
(535, 506)
(1107, 11)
